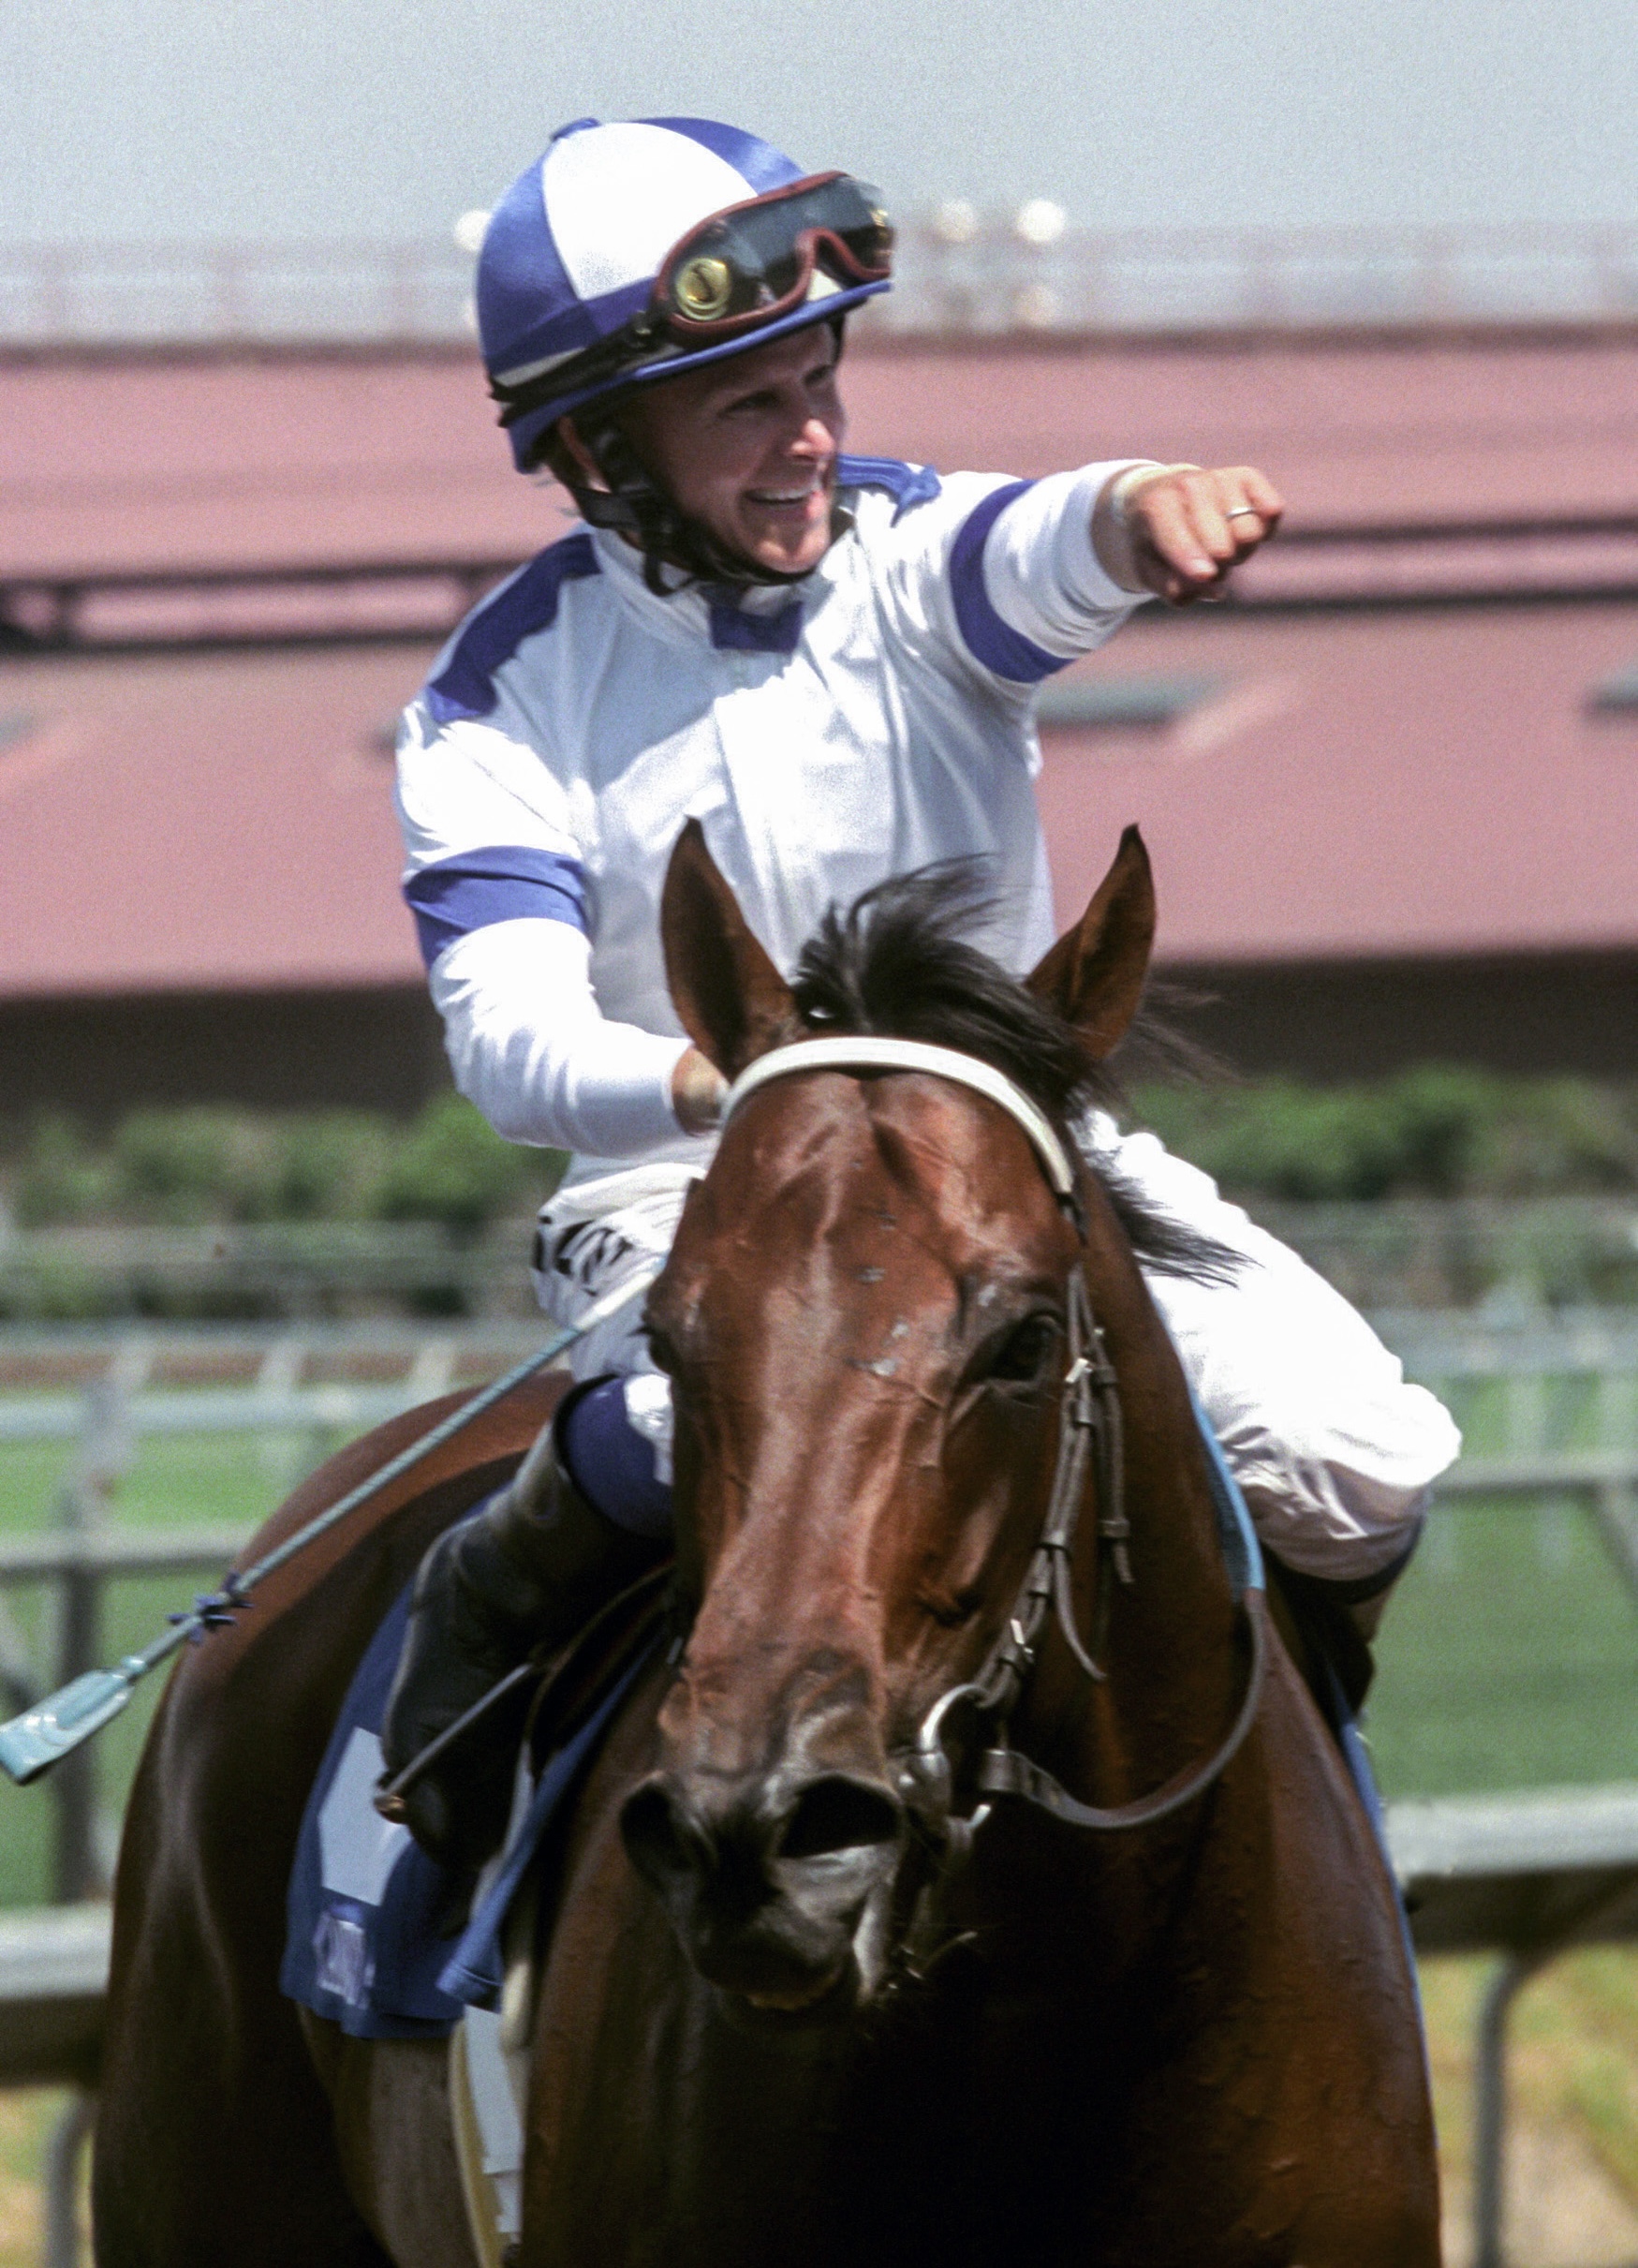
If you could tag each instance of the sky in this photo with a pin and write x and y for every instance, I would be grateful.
(138, 119)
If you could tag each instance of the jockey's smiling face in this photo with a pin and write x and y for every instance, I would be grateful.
(748, 447)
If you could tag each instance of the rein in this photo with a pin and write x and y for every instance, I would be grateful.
(1089, 1434)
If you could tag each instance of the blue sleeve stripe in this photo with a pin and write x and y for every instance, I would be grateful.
(504, 884)
(465, 685)
(989, 639)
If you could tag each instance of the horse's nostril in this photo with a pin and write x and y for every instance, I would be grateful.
(653, 1835)
(837, 1813)
(677, 1851)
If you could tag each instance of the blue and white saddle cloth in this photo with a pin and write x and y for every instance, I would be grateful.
(361, 1946)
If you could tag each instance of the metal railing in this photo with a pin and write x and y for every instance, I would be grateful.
(1010, 276)
(53, 1983)
(319, 1374)
(82, 1555)
(209, 293)
(1563, 1409)
(959, 273)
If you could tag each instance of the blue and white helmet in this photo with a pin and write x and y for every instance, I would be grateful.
(574, 250)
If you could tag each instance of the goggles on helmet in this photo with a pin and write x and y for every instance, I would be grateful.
(756, 261)
(732, 273)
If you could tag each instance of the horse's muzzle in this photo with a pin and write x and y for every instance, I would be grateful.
(767, 1880)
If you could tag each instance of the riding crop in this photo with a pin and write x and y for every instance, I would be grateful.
(52, 1729)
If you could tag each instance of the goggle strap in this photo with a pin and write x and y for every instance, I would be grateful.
(642, 341)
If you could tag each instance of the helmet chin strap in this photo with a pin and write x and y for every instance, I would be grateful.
(636, 503)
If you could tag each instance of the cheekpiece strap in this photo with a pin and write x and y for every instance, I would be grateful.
(1002, 1771)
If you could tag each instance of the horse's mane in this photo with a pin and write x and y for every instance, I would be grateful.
(896, 963)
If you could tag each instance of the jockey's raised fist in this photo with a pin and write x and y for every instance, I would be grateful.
(1180, 531)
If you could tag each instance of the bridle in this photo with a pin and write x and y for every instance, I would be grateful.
(1089, 1434)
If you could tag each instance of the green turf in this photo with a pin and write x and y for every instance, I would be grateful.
(174, 1483)
(1509, 1657)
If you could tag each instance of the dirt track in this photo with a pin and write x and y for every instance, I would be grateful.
(1563, 2210)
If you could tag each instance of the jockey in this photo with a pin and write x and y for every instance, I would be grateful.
(831, 662)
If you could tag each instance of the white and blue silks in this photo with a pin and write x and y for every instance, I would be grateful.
(873, 719)
(876, 718)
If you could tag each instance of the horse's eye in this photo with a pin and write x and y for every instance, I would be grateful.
(1024, 1351)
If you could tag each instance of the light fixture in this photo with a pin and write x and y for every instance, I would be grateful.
(1039, 222)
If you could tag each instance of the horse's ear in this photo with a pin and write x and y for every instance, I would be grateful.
(1094, 975)
(734, 1004)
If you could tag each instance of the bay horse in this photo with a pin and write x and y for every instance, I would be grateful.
(819, 1986)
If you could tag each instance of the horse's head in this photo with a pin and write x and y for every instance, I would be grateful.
(864, 1316)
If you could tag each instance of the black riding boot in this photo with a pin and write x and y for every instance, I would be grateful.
(518, 1578)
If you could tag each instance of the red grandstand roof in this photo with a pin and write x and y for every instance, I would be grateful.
(1363, 785)
(1355, 785)
(157, 462)
(214, 461)
(213, 823)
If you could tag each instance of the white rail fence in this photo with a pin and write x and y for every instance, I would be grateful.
(297, 1418)
(1418, 1256)
(1564, 1397)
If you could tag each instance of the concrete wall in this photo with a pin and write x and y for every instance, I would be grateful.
(381, 1050)
(378, 1049)
(1535, 1013)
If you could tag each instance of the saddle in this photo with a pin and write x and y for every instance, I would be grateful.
(379, 1940)
(385, 1944)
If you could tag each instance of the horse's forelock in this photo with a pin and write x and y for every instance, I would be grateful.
(898, 964)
